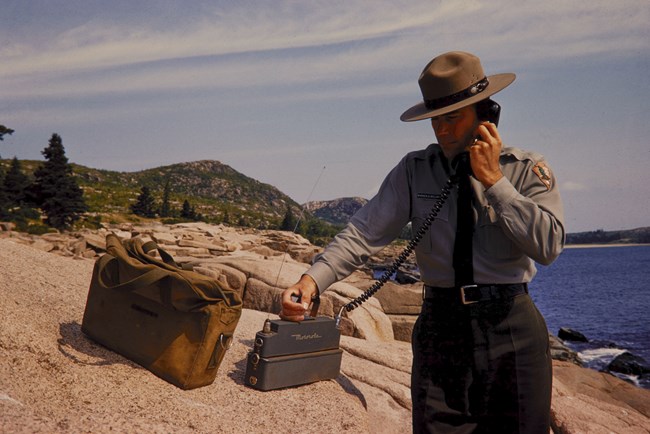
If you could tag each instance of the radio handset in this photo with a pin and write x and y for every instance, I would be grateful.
(486, 110)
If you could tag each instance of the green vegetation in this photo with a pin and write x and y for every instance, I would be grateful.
(145, 204)
(216, 192)
(50, 189)
(4, 130)
(198, 191)
(55, 189)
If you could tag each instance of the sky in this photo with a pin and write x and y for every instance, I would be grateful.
(306, 95)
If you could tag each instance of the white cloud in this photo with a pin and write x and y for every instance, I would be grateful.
(528, 31)
(241, 29)
(380, 48)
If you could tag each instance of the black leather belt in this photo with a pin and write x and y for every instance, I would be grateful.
(470, 294)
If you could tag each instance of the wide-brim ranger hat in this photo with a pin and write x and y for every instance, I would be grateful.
(452, 81)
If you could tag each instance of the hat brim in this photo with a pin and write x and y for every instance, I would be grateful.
(420, 111)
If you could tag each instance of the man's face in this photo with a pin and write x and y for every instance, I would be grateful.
(455, 130)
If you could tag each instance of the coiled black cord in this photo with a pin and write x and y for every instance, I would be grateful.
(444, 194)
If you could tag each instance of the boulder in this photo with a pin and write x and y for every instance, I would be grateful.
(262, 297)
(559, 351)
(7, 226)
(164, 238)
(55, 238)
(370, 321)
(78, 246)
(587, 401)
(274, 271)
(299, 248)
(95, 241)
(229, 246)
(122, 233)
(568, 334)
(400, 299)
(89, 254)
(265, 251)
(304, 254)
(43, 245)
(403, 326)
(198, 244)
(401, 303)
(235, 278)
(194, 227)
(381, 371)
(629, 364)
(196, 252)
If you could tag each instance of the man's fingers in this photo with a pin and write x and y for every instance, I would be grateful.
(296, 299)
(293, 312)
(293, 308)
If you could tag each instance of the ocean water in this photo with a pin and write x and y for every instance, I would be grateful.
(602, 292)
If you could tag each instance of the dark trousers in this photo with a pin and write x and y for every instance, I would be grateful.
(481, 368)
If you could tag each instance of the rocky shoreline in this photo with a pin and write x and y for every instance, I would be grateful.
(259, 264)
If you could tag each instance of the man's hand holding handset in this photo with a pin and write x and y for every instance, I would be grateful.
(484, 154)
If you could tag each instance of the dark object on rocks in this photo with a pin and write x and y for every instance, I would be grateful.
(403, 276)
(571, 335)
(559, 351)
(407, 277)
(628, 363)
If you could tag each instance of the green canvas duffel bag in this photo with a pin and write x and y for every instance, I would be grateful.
(176, 323)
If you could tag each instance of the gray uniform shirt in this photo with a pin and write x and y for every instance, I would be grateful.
(519, 221)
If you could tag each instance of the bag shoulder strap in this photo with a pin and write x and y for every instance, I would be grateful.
(135, 250)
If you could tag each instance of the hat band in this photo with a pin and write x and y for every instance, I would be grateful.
(475, 89)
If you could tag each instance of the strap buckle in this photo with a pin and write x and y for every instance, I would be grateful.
(463, 296)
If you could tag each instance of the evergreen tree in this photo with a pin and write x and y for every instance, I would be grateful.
(188, 212)
(56, 189)
(165, 207)
(4, 130)
(4, 202)
(145, 206)
(314, 229)
(289, 221)
(16, 184)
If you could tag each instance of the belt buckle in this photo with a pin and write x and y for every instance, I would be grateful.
(463, 298)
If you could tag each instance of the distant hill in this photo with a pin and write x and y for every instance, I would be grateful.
(630, 236)
(337, 211)
(215, 190)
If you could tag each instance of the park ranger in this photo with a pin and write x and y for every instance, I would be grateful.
(481, 360)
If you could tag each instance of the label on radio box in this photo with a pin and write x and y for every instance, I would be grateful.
(288, 337)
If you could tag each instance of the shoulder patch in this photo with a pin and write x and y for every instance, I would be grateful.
(543, 173)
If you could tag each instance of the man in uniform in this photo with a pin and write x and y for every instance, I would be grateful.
(481, 360)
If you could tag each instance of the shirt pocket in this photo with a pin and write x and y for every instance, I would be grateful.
(490, 236)
(441, 222)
